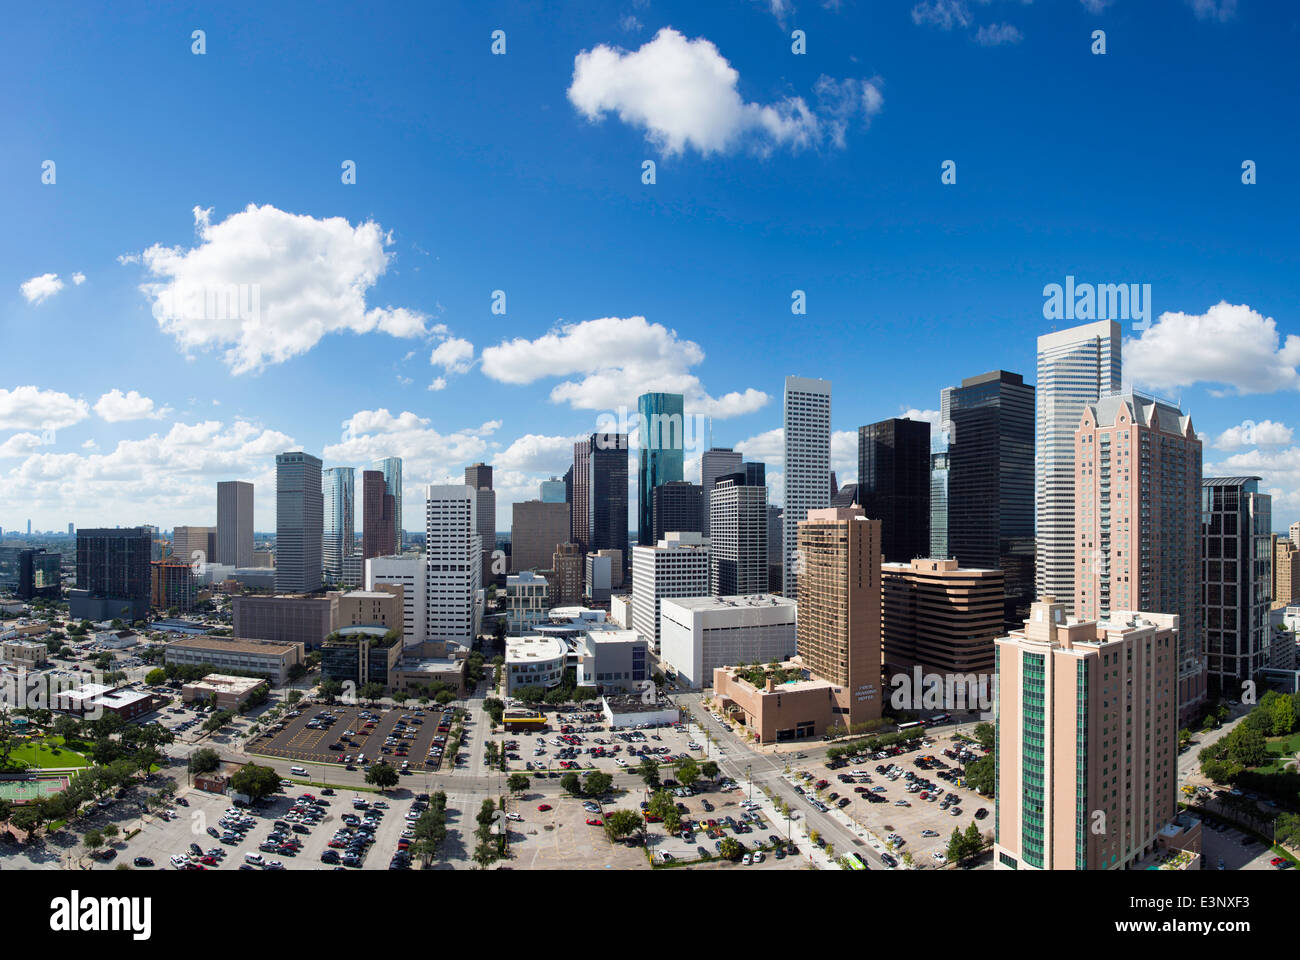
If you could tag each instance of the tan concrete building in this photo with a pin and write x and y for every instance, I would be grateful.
(780, 712)
(264, 657)
(939, 616)
(536, 529)
(230, 692)
(1137, 528)
(838, 624)
(1286, 571)
(29, 656)
(194, 544)
(615, 567)
(380, 607)
(1087, 739)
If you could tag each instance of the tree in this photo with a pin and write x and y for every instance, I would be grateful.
(93, 840)
(709, 770)
(595, 783)
(688, 771)
(494, 709)
(729, 848)
(623, 823)
(984, 733)
(980, 775)
(518, 783)
(329, 689)
(956, 846)
(155, 676)
(255, 781)
(484, 854)
(648, 771)
(382, 775)
(570, 783)
(293, 697)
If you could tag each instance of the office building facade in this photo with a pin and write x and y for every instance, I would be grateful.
(1138, 510)
(807, 444)
(940, 616)
(535, 530)
(235, 523)
(299, 521)
(378, 537)
(737, 537)
(409, 573)
(1236, 582)
(676, 506)
(114, 578)
(1086, 735)
(894, 485)
(339, 528)
(453, 549)
(662, 434)
(677, 566)
(479, 477)
(391, 468)
(715, 462)
(1076, 367)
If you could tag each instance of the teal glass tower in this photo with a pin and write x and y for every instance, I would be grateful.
(661, 426)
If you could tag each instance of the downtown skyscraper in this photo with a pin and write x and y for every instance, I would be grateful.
(339, 530)
(299, 520)
(235, 523)
(715, 462)
(1138, 524)
(1076, 367)
(661, 429)
(737, 536)
(894, 485)
(807, 433)
(598, 510)
(378, 523)
(479, 476)
(391, 468)
(454, 568)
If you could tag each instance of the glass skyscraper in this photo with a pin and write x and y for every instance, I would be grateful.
(662, 436)
(391, 467)
(338, 537)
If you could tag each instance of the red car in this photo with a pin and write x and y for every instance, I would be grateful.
(651, 818)
(543, 807)
(594, 822)
(209, 861)
(1277, 861)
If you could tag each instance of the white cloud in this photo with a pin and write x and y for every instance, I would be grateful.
(128, 258)
(90, 445)
(116, 406)
(1279, 471)
(630, 24)
(165, 478)
(1096, 6)
(944, 14)
(929, 416)
(769, 447)
(997, 34)
(31, 408)
(268, 285)
(454, 355)
(684, 93)
(615, 360)
(371, 434)
(39, 289)
(439, 383)
(1221, 10)
(1248, 433)
(78, 279)
(21, 444)
(840, 101)
(537, 453)
(1229, 344)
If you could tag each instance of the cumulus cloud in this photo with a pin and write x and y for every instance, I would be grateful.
(1279, 470)
(997, 34)
(21, 444)
(78, 279)
(944, 14)
(439, 383)
(39, 289)
(538, 453)
(769, 447)
(454, 355)
(1248, 433)
(165, 478)
(613, 361)
(1229, 344)
(116, 406)
(684, 93)
(267, 285)
(371, 434)
(31, 408)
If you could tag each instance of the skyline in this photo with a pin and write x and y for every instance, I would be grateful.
(522, 173)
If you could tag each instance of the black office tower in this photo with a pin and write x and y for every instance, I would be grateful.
(677, 507)
(991, 483)
(894, 485)
(113, 574)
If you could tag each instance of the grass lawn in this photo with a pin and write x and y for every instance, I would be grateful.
(41, 754)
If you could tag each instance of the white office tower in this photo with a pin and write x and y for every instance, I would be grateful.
(715, 462)
(807, 462)
(677, 566)
(453, 550)
(737, 537)
(1076, 367)
(409, 572)
(299, 519)
(339, 534)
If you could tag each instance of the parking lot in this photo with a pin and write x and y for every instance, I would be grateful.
(1224, 847)
(561, 839)
(582, 741)
(353, 736)
(900, 816)
(202, 819)
(716, 812)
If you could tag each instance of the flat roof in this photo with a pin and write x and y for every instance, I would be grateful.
(535, 647)
(233, 645)
(731, 603)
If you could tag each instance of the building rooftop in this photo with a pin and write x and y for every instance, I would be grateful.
(632, 703)
(233, 645)
(730, 603)
(535, 647)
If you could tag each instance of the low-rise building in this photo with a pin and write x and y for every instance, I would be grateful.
(229, 693)
(96, 699)
(535, 661)
(302, 619)
(422, 666)
(779, 711)
(527, 602)
(266, 658)
(29, 656)
(700, 634)
(633, 711)
(362, 655)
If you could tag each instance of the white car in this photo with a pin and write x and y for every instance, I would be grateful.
(179, 861)
(620, 761)
(515, 817)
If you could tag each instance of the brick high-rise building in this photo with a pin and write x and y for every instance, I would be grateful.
(535, 530)
(113, 574)
(378, 536)
(1286, 571)
(568, 582)
(1086, 738)
(941, 617)
(1137, 490)
(838, 625)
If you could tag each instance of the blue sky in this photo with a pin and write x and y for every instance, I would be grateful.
(522, 173)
